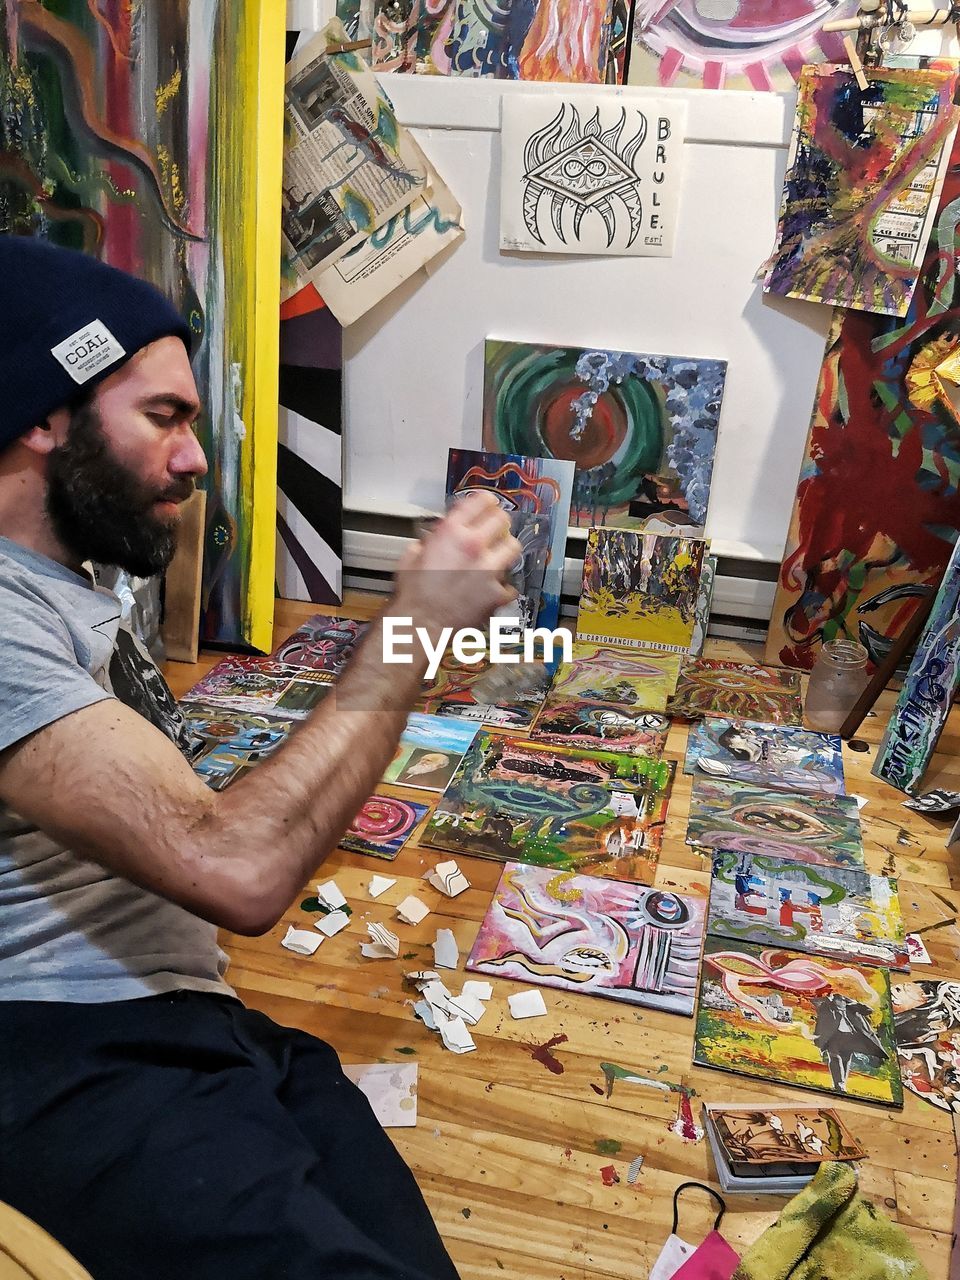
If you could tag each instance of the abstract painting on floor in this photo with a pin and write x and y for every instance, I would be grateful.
(861, 557)
(151, 136)
(833, 911)
(597, 812)
(709, 687)
(610, 698)
(383, 826)
(599, 937)
(458, 690)
(748, 819)
(641, 429)
(639, 590)
(225, 743)
(927, 1023)
(864, 176)
(777, 757)
(798, 1020)
(323, 643)
(260, 685)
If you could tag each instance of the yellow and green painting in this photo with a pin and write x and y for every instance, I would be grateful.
(798, 1020)
(640, 589)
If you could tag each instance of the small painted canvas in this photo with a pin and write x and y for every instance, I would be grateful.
(799, 1020)
(777, 757)
(709, 687)
(260, 684)
(429, 751)
(927, 1023)
(527, 572)
(928, 690)
(734, 815)
(383, 826)
(783, 1135)
(454, 693)
(390, 1088)
(864, 175)
(830, 911)
(639, 590)
(597, 812)
(227, 743)
(322, 643)
(641, 429)
(708, 581)
(599, 937)
(542, 486)
(609, 698)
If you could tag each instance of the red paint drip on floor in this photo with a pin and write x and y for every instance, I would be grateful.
(685, 1121)
(541, 1053)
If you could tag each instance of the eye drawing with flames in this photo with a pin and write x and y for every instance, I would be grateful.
(572, 169)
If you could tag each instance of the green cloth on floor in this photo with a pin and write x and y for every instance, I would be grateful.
(831, 1232)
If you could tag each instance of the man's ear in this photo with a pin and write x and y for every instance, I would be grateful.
(47, 435)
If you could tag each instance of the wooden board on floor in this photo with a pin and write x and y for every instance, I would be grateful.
(509, 1152)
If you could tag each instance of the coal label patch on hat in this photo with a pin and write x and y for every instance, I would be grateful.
(88, 351)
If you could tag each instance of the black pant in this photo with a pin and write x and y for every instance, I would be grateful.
(187, 1136)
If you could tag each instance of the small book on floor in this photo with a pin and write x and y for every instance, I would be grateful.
(764, 1149)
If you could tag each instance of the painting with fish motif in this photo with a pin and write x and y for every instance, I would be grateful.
(639, 590)
(383, 826)
(734, 815)
(597, 812)
(538, 486)
(710, 687)
(150, 135)
(641, 429)
(735, 44)
(430, 749)
(225, 743)
(458, 689)
(609, 698)
(861, 558)
(832, 911)
(863, 180)
(927, 1023)
(591, 935)
(775, 756)
(797, 1020)
(261, 685)
(323, 643)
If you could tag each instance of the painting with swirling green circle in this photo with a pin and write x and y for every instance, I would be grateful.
(641, 429)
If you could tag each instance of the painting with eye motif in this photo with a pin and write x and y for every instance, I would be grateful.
(768, 755)
(458, 689)
(225, 743)
(798, 1020)
(595, 936)
(609, 698)
(746, 819)
(596, 812)
(323, 643)
(710, 687)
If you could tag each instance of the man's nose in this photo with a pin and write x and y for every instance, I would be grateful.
(188, 458)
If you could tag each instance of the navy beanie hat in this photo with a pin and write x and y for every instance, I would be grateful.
(67, 322)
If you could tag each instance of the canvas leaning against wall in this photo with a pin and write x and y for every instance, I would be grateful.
(150, 136)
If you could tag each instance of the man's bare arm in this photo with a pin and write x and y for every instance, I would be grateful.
(109, 785)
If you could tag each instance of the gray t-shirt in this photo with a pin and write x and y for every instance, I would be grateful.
(70, 929)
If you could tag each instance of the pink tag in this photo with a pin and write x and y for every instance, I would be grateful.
(713, 1260)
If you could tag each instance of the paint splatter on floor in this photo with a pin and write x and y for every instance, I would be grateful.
(406, 1049)
(607, 1146)
(609, 1175)
(684, 1126)
(541, 1053)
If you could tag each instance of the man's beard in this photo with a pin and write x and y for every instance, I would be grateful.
(100, 510)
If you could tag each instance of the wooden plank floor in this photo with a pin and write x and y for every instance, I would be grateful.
(509, 1150)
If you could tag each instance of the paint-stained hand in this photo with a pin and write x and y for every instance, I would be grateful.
(456, 574)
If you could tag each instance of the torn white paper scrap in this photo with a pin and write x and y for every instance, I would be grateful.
(424, 1011)
(455, 1035)
(446, 953)
(330, 895)
(332, 923)
(383, 944)
(590, 174)
(378, 885)
(527, 1004)
(420, 977)
(448, 878)
(408, 242)
(436, 995)
(469, 1008)
(348, 166)
(411, 910)
(481, 990)
(390, 1088)
(302, 941)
